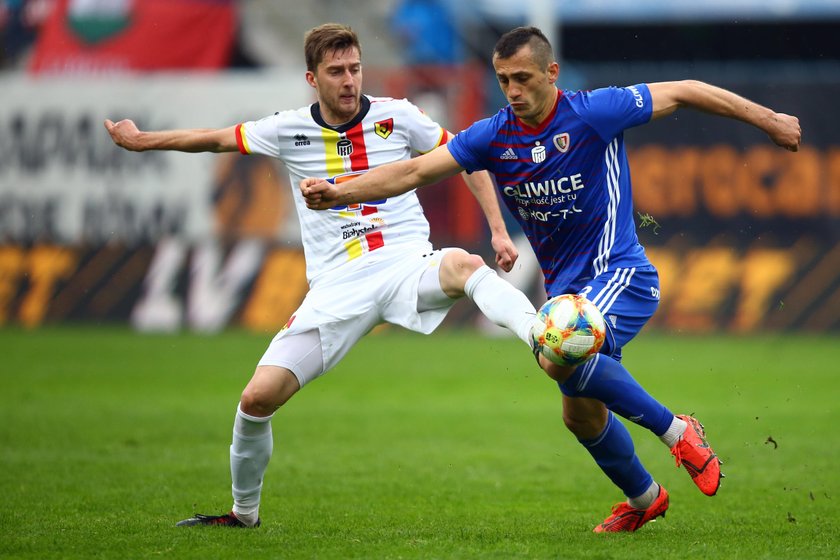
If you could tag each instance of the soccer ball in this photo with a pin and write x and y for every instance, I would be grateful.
(574, 330)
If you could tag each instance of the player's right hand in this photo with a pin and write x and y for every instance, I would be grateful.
(319, 194)
(124, 133)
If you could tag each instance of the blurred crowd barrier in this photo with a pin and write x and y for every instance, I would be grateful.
(746, 236)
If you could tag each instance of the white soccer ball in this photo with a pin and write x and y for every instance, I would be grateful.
(574, 330)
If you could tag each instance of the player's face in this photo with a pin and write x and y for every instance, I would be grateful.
(338, 81)
(528, 87)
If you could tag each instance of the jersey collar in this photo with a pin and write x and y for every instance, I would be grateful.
(542, 126)
(364, 107)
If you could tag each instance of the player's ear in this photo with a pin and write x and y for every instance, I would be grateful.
(310, 79)
(553, 72)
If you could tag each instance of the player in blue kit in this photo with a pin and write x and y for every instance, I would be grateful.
(561, 168)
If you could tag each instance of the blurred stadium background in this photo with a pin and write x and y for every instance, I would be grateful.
(164, 241)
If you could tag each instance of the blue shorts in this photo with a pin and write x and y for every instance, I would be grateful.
(628, 298)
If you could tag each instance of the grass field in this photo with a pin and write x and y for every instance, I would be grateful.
(448, 446)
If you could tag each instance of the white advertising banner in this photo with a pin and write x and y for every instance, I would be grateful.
(63, 180)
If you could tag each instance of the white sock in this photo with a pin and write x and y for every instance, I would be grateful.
(249, 455)
(501, 302)
(674, 431)
(646, 499)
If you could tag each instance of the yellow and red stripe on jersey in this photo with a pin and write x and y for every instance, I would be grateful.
(357, 159)
(369, 241)
(242, 140)
(443, 139)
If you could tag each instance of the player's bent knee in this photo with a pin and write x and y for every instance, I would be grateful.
(554, 371)
(451, 273)
(586, 418)
(458, 261)
(269, 389)
(583, 428)
(456, 268)
(472, 263)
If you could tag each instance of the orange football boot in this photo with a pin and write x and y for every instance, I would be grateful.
(693, 452)
(627, 518)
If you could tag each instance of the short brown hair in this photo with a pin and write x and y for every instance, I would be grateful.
(325, 38)
(510, 43)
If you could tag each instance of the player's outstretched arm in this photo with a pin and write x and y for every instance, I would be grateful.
(384, 181)
(125, 134)
(783, 130)
(482, 188)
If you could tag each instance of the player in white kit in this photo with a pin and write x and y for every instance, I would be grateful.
(366, 263)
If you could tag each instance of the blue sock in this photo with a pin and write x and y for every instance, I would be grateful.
(604, 379)
(614, 452)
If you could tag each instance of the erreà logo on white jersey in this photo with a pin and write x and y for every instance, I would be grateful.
(538, 153)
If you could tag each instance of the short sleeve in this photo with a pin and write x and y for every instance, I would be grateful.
(612, 110)
(469, 146)
(424, 134)
(259, 137)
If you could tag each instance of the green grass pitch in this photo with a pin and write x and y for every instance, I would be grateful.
(446, 446)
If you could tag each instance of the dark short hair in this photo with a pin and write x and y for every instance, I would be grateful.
(326, 38)
(510, 43)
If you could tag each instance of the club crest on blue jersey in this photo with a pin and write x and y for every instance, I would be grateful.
(561, 142)
(343, 178)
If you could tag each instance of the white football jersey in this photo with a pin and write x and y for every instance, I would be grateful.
(384, 131)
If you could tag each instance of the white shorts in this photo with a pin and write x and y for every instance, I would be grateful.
(344, 307)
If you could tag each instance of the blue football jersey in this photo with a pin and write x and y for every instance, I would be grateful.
(568, 181)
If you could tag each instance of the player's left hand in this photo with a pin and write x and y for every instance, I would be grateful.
(506, 253)
(785, 131)
(319, 194)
